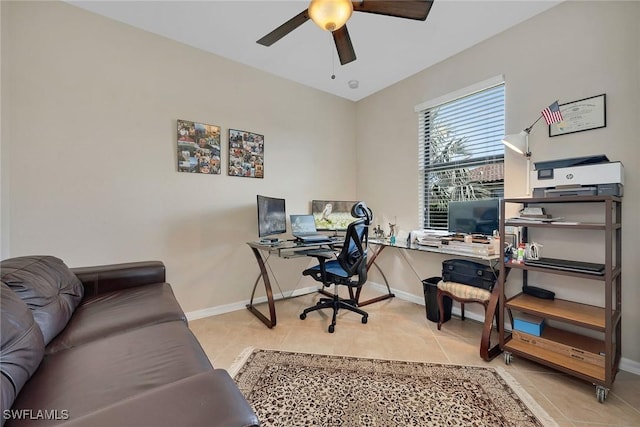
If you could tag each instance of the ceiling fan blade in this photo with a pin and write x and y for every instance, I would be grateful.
(343, 45)
(284, 29)
(416, 9)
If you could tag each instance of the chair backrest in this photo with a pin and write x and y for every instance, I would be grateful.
(361, 210)
(353, 256)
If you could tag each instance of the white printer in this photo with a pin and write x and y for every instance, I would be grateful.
(578, 176)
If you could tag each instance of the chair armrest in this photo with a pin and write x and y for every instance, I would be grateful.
(106, 278)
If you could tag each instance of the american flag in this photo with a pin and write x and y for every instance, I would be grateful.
(552, 114)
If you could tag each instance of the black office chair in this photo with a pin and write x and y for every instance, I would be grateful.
(348, 269)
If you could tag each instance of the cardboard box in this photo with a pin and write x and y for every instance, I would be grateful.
(531, 325)
(586, 349)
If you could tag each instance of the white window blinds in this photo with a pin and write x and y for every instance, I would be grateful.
(460, 151)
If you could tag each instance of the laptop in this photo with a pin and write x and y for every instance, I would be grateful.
(568, 265)
(303, 227)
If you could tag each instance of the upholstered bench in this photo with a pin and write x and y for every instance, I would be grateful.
(463, 294)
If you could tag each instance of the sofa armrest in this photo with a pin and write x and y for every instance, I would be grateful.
(207, 399)
(106, 278)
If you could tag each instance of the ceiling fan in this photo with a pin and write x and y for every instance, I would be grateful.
(332, 15)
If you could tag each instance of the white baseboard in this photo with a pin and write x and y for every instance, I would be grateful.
(629, 365)
(228, 308)
(626, 365)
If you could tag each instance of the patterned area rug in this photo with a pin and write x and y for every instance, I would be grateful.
(298, 389)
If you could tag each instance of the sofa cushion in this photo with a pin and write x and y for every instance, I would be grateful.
(106, 314)
(48, 288)
(101, 373)
(206, 399)
(22, 346)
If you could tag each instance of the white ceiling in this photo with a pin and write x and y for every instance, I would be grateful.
(388, 49)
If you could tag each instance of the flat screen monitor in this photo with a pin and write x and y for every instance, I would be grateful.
(474, 216)
(272, 216)
(334, 215)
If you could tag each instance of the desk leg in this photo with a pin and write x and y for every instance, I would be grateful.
(486, 351)
(264, 275)
(493, 310)
(372, 262)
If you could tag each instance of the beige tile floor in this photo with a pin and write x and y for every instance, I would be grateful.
(399, 330)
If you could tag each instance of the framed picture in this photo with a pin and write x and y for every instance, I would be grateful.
(246, 154)
(581, 115)
(198, 148)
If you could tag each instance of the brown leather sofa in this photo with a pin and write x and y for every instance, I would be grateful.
(105, 346)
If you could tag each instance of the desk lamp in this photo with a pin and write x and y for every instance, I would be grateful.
(519, 142)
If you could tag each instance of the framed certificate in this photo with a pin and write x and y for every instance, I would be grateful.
(584, 114)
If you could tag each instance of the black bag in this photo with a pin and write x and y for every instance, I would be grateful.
(469, 273)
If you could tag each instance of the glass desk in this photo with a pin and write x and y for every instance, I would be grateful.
(289, 249)
(492, 258)
(487, 352)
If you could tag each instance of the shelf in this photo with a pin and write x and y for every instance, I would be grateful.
(563, 199)
(577, 352)
(579, 226)
(556, 360)
(555, 271)
(588, 316)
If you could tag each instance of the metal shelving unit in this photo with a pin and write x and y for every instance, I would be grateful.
(592, 359)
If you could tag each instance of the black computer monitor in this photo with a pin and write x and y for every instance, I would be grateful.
(334, 215)
(474, 216)
(272, 216)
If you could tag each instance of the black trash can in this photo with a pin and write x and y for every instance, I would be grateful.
(430, 286)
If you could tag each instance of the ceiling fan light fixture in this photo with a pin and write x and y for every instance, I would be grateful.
(330, 15)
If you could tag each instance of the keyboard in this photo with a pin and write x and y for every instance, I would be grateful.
(313, 252)
(313, 238)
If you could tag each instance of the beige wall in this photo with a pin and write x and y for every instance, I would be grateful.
(573, 51)
(88, 164)
(89, 150)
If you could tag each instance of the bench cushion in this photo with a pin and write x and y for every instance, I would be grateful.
(462, 291)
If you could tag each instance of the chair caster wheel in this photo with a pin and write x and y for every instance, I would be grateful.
(365, 319)
(303, 316)
(331, 328)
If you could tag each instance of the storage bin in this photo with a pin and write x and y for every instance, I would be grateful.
(430, 287)
(529, 324)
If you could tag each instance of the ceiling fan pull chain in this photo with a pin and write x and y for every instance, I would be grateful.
(333, 60)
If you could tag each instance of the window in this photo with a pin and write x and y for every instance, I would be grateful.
(461, 155)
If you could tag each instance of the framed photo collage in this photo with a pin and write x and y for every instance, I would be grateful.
(199, 149)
